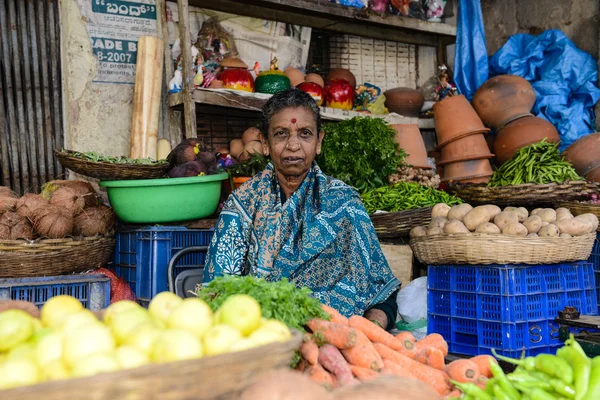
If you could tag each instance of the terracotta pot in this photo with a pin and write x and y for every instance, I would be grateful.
(584, 153)
(483, 179)
(472, 147)
(594, 175)
(409, 138)
(455, 118)
(239, 181)
(342, 73)
(404, 101)
(521, 133)
(503, 99)
(467, 170)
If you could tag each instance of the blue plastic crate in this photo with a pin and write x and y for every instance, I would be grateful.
(92, 290)
(595, 256)
(142, 255)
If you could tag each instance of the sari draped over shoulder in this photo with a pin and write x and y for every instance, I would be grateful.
(321, 238)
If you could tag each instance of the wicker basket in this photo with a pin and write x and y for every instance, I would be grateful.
(475, 248)
(578, 208)
(397, 224)
(110, 171)
(20, 258)
(218, 377)
(529, 194)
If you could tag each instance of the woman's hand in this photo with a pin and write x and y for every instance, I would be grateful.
(377, 317)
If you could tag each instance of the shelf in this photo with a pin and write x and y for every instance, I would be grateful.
(255, 102)
(323, 14)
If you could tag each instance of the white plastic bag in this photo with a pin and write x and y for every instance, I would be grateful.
(412, 305)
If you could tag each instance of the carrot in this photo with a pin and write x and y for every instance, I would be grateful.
(301, 367)
(318, 374)
(463, 371)
(379, 335)
(434, 358)
(332, 360)
(437, 379)
(363, 374)
(392, 368)
(309, 350)
(482, 382)
(363, 354)
(455, 394)
(406, 336)
(335, 315)
(341, 336)
(421, 357)
(433, 340)
(483, 362)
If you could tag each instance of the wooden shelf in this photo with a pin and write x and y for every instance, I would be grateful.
(323, 14)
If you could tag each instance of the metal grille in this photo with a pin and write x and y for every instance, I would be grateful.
(217, 126)
(31, 119)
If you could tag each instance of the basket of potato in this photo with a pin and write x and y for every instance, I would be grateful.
(489, 235)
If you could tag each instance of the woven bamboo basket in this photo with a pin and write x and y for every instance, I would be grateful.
(219, 377)
(110, 171)
(475, 248)
(529, 194)
(578, 208)
(47, 257)
(397, 224)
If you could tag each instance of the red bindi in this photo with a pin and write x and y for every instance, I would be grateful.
(293, 120)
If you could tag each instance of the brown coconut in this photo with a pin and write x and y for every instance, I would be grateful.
(6, 192)
(69, 200)
(13, 227)
(7, 204)
(94, 221)
(83, 189)
(52, 222)
(29, 203)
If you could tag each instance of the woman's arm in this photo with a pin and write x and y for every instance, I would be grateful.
(384, 314)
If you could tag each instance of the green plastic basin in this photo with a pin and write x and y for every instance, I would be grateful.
(165, 200)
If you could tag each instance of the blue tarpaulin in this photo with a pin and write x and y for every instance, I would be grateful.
(565, 80)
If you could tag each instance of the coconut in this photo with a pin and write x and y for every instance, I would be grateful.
(29, 203)
(7, 204)
(250, 135)
(6, 192)
(69, 200)
(81, 188)
(252, 147)
(13, 227)
(94, 221)
(52, 222)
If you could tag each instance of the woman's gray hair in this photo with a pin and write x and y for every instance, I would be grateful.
(288, 98)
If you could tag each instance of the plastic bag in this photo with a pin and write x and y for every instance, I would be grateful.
(412, 307)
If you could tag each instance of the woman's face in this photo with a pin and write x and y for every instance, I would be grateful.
(293, 141)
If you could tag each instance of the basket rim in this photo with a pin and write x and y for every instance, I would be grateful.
(484, 186)
(69, 154)
(497, 237)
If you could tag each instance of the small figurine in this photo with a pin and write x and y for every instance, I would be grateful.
(365, 95)
(176, 83)
(435, 10)
(256, 68)
(445, 88)
(274, 64)
(199, 77)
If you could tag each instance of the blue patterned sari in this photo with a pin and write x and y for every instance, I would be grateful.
(321, 238)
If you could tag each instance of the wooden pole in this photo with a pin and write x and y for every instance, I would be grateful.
(146, 98)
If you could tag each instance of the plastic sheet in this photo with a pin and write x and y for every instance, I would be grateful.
(565, 80)
(412, 306)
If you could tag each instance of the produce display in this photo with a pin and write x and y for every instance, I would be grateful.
(405, 196)
(68, 341)
(539, 163)
(492, 220)
(424, 177)
(95, 157)
(186, 159)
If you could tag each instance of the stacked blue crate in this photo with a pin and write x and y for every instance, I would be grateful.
(595, 261)
(509, 308)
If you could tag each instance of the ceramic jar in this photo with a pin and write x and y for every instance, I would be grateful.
(520, 133)
(584, 154)
(404, 101)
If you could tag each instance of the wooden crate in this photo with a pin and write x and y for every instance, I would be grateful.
(400, 258)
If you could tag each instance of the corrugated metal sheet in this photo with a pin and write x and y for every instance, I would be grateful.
(31, 118)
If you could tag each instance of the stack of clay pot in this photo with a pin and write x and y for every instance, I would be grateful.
(504, 104)
(465, 155)
(409, 138)
(584, 154)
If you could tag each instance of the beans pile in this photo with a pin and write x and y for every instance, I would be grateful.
(405, 196)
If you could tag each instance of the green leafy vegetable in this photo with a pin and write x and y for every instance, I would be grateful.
(361, 152)
(95, 157)
(279, 300)
(255, 164)
(405, 196)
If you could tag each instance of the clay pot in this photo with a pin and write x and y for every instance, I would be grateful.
(409, 138)
(594, 175)
(521, 133)
(472, 147)
(315, 78)
(404, 101)
(455, 118)
(467, 170)
(584, 153)
(342, 73)
(503, 99)
(233, 62)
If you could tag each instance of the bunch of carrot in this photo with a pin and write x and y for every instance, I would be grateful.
(344, 351)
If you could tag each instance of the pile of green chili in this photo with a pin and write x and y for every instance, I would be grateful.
(405, 196)
(538, 163)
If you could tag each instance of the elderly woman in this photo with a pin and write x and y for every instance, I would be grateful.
(292, 221)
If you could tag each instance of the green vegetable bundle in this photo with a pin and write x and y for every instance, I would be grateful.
(361, 152)
(95, 157)
(255, 164)
(538, 163)
(405, 196)
(279, 300)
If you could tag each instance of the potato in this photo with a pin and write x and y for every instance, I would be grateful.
(565, 235)
(492, 210)
(532, 235)
(563, 213)
(592, 218)
(284, 384)
(506, 217)
(562, 209)
(458, 212)
(435, 231)
(438, 222)
(524, 211)
(533, 224)
(455, 226)
(536, 211)
(440, 210)
(547, 215)
(545, 223)
(488, 228)
(514, 229)
(476, 217)
(418, 231)
(549, 230)
(574, 226)
(384, 387)
(522, 214)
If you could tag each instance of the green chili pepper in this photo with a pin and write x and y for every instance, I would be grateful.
(529, 381)
(579, 362)
(499, 394)
(503, 382)
(540, 394)
(593, 392)
(546, 363)
(470, 389)
(489, 387)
